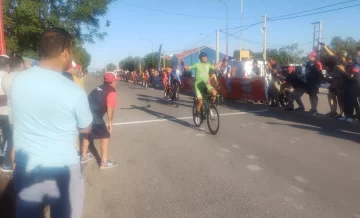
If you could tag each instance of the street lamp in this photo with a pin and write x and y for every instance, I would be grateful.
(227, 28)
(152, 49)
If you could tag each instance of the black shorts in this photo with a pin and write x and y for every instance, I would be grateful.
(333, 90)
(99, 131)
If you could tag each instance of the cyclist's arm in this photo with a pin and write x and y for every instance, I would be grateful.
(218, 65)
(178, 78)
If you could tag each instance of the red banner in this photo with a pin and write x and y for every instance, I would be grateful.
(235, 88)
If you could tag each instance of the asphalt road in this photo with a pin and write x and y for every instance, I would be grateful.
(264, 162)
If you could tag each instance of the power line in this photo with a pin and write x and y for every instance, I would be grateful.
(250, 25)
(321, 12)
(301, 12)
(190, 46)
(180, 14)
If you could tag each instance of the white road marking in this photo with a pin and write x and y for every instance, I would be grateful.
(225, 150)
(183, 118)
(295, 190)
(292, 141)
(292, 203)
(244, 125)
(235, 146)
(343, 154)
(345, 131)
(263, 127)
(189, 131)
(250, 124)
(300, 179)
(252, 157)
(254, 168)
(200, 134)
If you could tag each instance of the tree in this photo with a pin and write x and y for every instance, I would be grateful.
(110, 67)
(349, 44)
(132, 64)
(81, 57)
(24, 20)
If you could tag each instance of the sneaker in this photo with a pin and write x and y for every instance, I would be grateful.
(87, 158)
(313, 112)
(349, 120)
(342, 118)
(337, 116)
(300, 109)
(7, 168)
(107, 165)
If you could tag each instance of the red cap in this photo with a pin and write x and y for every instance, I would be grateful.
(291, 69)
(312, 53)
(109, 77)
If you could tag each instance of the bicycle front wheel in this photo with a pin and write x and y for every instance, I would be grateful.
(213, 120)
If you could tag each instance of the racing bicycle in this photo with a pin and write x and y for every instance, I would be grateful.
(208, 112)
(174, 94)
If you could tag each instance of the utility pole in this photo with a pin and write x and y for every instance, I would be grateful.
(164, 61)
(241, 21)
(217, 45)
(318, 32)
(227, 28)
(314, 37)
(265, 29)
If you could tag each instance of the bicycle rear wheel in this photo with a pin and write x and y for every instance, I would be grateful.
(213, 120)
(197, 119)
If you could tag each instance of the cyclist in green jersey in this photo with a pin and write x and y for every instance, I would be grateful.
(202, 83)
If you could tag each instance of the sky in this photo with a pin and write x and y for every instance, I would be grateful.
(176, 32)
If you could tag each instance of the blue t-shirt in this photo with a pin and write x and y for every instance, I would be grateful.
(47, 110)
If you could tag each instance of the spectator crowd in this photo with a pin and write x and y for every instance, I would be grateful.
(48, 123)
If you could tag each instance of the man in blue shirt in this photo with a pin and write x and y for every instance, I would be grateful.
(49, 111)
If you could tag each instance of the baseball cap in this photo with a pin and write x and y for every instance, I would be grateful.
(312, 53)
(291, 69)
(109, 77)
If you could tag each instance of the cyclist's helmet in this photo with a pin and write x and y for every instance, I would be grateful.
(202, 54)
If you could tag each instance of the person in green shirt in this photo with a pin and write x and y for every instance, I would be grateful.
(202, 83)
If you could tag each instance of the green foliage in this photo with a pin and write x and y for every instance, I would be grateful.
(110, 67)
(348, 44)
(283, 55)
(24, 20)
(81, 56)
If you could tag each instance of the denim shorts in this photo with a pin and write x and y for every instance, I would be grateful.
(62, 189)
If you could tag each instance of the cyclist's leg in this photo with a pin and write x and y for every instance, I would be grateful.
(212, 91)
(198, 96)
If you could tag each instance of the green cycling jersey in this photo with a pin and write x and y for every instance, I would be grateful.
(202, 71)
(201, 77)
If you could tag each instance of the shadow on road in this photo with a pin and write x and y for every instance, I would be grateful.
(162, 101)
(136, 87)
(164, 117)
(321, 124)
